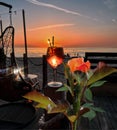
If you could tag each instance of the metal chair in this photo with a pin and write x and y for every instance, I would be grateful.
(9, 87)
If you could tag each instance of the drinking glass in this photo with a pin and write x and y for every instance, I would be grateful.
(55, 57)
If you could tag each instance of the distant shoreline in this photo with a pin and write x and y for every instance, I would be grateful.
(39, 52)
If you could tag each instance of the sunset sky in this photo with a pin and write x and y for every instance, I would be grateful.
(73, 23)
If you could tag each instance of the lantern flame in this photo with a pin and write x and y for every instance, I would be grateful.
(54, 61)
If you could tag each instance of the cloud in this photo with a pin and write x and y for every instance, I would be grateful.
(60, 9)
(110, 4)
(114, 20)
(50, 26)
(54, 7)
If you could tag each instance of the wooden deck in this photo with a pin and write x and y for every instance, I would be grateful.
(106, 120)
(103, 121)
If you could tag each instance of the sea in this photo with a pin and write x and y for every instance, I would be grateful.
(79, 51)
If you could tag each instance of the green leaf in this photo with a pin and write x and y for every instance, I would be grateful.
(71, 118)
(40, 98)
(63, 89)
(66, 71)
(101, 73)
(70, 90)
(78, 75)
(69, 76)
(89, 74)
(61, 107)
(98, 109)
(90, 114)
(87, 105)
(46, 103)
(88, 94)
(66, 88)
(91, 107)
(97, 84)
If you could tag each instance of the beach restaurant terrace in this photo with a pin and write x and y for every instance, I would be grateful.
(31, 118)
(22, 89)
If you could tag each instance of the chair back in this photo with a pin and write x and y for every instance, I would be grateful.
(7, 47)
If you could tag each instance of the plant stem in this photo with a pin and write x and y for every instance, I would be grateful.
(82, 93)
(74, 125)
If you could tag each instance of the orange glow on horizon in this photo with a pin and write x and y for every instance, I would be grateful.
(39, 38)
(71, 25)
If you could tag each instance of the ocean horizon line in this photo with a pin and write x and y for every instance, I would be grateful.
(39, 52)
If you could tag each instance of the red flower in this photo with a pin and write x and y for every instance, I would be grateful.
(78, 64)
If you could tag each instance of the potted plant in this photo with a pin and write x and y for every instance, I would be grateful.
(81, 78)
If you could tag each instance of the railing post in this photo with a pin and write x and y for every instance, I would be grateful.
(25, 60)
(26, 52)
(44, 71)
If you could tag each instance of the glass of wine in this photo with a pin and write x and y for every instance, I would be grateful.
(55, 57)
